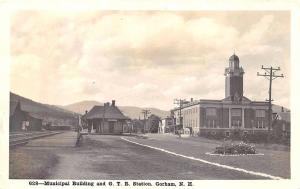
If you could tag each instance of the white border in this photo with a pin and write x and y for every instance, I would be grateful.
(6, 7)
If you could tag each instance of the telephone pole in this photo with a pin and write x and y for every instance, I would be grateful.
(179, 102)
(270, 75)
(145, 112)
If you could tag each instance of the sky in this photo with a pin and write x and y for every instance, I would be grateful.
(146, 58)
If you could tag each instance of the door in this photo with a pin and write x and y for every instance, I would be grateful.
(111, 126)
(236, 117)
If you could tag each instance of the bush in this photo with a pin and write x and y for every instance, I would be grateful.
(240, 148)
(217, 135)
(236, 134)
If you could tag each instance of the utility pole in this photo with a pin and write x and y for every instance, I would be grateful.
(145, 112)
(180, 103)
(270, 75)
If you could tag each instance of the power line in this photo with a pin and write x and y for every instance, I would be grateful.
(270, 74)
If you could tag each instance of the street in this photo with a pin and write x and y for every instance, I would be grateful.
(111, 157)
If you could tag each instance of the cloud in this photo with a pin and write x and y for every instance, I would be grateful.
(142, 57)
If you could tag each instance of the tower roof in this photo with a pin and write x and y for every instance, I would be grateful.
(234, 58)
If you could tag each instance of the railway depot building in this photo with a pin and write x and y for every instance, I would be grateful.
(20, 120)
(106, 119)
(234, 112)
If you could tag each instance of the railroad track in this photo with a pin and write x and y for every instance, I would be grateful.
(18, 139)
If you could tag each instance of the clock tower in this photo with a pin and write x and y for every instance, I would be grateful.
(234, 79)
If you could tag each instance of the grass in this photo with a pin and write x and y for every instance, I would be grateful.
(30, 164)
(275, 161)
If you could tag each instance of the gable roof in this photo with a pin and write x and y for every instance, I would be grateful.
(106, 112)
(35, 116)
(12, 107)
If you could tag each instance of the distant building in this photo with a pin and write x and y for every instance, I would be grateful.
(20, 120)
(165, 125)
(106, 119)
(282, 124)
(234, 112)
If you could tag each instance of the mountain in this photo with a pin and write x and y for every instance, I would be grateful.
(131, 111)
(81, 107)
(135, 112)
(66, 115)
(49, 113)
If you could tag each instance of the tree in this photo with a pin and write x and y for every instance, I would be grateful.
(153, 123)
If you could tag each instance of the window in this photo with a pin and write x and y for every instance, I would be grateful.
(211, 123)
(236, 123)
(227, 133)
(211, 111)
(260, 124)
(25, 125)
(260, 113)
(236, 112)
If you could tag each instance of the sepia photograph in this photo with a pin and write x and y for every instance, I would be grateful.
(148, 97)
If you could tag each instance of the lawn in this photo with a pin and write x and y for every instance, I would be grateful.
(275, 159)
(30, 164)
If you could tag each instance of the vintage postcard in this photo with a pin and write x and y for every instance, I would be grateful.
(153, 96)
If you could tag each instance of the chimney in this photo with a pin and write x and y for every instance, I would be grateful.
(282, 109)
(113, 103)
(192, 99)
(86, 111)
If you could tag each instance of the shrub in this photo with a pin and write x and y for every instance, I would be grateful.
(240, 148)
(212, 135)
(236, 134)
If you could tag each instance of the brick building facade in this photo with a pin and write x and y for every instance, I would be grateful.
(234, 112)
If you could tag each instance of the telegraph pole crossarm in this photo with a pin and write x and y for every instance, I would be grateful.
(270, 74)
